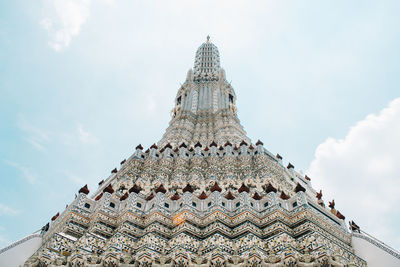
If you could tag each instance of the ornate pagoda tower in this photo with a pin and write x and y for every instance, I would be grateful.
(204, 195)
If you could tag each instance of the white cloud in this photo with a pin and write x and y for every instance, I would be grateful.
(43, 139)
(110, 2)
(6, 210)
(65, 20)
(26, 172)
(85, 136)
(362, 173)
(75, 179)
(33, 135)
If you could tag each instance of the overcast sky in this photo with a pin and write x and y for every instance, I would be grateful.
(82, 82)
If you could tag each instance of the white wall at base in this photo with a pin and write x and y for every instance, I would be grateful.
(17, 253)
(373, 254)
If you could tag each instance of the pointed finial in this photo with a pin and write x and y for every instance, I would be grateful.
(208, 38)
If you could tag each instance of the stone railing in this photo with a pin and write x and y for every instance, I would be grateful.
(16, 243)
(377, 243)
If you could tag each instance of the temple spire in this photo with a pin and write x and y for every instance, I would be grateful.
(207, 62)
(205, 105)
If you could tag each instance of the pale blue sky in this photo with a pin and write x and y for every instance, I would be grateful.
(83, 82)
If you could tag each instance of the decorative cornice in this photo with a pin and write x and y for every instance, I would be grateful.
(377, 243)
